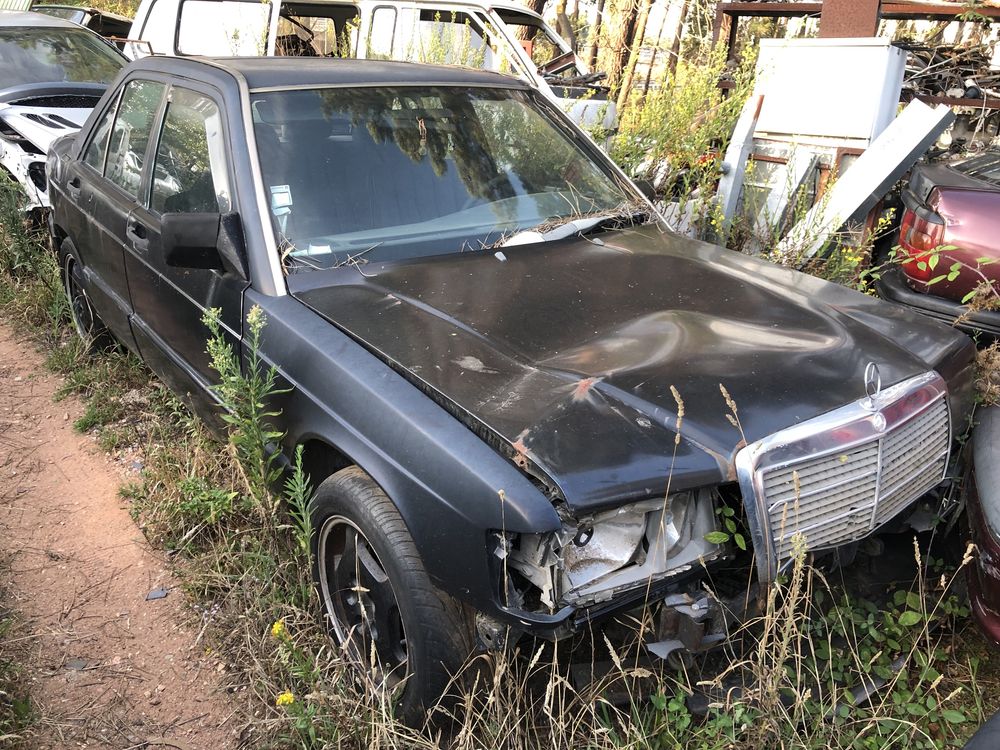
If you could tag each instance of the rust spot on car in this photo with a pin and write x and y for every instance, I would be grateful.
(581, 391)
(521, 450)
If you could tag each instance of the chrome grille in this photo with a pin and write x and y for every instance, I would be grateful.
(836, 478)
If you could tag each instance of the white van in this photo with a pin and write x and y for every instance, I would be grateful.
(503, 37)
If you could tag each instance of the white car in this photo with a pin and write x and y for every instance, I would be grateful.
(498, 36)
(53, 73)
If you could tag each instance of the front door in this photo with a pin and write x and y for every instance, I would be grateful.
(189, 174)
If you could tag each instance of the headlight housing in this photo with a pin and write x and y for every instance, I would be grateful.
(593, 558)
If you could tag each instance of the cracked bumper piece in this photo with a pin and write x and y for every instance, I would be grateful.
(602, 559)
(984, 522)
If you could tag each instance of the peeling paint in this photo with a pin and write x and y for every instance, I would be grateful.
(581, 391)
(521, 459)
(474, 364)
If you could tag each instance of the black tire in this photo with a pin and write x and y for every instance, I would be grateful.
(88, 324)
(421, 643)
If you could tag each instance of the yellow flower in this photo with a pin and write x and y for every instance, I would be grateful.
(278, 629)
(285, 699)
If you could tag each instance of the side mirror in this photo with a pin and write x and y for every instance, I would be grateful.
(210, 241)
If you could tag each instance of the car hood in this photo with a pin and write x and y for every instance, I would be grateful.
(583, 360)
(42, 125)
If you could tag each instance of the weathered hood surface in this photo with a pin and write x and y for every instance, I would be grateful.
(567, 352)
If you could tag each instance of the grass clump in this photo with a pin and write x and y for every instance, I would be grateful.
(16, 710)
(674, 136)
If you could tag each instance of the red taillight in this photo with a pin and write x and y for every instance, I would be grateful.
(918, 238)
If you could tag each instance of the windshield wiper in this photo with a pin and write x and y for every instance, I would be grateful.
(579, 226)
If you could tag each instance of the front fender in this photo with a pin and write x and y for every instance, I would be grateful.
(445, 481)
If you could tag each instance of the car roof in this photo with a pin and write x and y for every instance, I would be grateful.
(14, 19)
(293, 72)
(515, 6)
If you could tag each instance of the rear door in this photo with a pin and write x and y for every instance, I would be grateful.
(189, 173)
(106, 181)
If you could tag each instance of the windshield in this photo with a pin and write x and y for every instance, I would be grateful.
(55, 55)
(400, 173)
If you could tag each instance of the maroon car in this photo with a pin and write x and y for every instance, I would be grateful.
(983, 505)
(956, 206)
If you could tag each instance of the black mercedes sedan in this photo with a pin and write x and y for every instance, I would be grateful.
(527, 404)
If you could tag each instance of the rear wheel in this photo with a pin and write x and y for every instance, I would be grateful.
(88, 325)
(379, 603)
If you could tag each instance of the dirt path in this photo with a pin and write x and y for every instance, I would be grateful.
(112, 668)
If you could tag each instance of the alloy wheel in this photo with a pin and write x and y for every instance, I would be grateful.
(359, 601)
(79, 304)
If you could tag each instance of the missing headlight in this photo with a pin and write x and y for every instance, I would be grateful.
(36, 171)
(591, 559)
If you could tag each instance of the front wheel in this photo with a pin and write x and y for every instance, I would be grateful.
(379, 603)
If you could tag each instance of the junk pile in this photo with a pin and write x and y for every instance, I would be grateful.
(958, 72)
(965, 77)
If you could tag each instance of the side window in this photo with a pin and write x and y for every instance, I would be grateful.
(229, 27)
(324, 31)
(159, 28)
(380, 34)
(189, 174)
(98, 146)
(440, 36)
(130, 135)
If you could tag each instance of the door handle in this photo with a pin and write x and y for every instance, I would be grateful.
(138, 235)
(73, 187)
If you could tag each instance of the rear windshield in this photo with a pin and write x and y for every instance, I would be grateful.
(70, 14)
(51, 55)
(984, 167)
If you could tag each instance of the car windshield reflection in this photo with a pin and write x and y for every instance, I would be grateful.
(55, 55)
(407, 172)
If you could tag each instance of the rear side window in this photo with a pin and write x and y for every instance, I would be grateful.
(130, 135)
(189, 175)
(226, 28)
(98, 146)
(430, 35)
(317, 30)
(383, 27)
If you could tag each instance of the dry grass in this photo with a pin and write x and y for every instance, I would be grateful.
(988, 374)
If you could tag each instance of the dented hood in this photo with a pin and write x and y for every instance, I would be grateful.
(567, 355)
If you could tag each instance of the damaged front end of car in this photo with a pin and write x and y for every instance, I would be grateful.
(817, 488)
(594, 558)
(600, 563)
